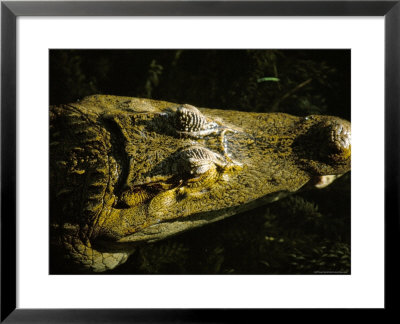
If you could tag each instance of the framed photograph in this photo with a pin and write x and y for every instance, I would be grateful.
(181, 160)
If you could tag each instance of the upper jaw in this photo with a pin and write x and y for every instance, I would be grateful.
(230, 161)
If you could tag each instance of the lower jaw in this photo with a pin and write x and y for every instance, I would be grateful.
(165, 229)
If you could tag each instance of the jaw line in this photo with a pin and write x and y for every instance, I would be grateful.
(167, 228)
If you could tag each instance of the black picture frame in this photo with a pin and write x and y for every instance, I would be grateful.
(10, 10)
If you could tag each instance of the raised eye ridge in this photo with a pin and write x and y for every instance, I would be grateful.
(197, 160)
(189, 119)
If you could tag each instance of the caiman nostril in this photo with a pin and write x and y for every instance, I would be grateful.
(342, 136)
(341, 140)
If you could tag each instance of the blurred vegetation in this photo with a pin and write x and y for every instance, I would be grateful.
(306, 233)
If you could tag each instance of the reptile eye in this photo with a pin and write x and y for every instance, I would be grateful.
(198, 162)
(189, 119)
(197, 170)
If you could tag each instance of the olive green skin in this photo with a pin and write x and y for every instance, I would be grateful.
(128, 170)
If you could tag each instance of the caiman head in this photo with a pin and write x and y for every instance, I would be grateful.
(126, 170)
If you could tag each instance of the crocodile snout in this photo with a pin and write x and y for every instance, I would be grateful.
(341, 137)
(324, 144)
(338, 148)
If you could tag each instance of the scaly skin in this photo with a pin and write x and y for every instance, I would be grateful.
(127, 170)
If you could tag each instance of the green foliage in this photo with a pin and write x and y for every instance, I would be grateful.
(310, 81)
(268, 79)
(156, 258)
(67, 72)
(153, 78)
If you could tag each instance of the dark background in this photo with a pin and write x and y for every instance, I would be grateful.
(306, 233)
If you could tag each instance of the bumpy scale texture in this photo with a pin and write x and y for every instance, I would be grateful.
(128, 170)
